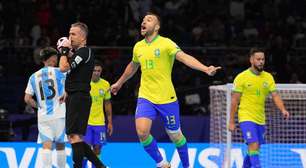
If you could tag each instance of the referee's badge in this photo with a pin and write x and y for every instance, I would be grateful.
(157, 52)
(101, 92)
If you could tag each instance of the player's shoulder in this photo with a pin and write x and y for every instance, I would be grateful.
(105, 82)
(267, 74)
(243, 73)
(56, 70)
(34, 74)
(140, 43)
(83, 51)
(162, 39)
(53, 68)
(101, 83)
(38, 72)
(167, 39)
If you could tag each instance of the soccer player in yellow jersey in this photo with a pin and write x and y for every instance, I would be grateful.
(155, 56)
(100, 95)
(251, 87)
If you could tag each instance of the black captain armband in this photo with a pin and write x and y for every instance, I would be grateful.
(65, 51)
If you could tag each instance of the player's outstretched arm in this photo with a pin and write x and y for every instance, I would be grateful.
(193, 63)
(280, 104)
(129, 71)
(234, 106)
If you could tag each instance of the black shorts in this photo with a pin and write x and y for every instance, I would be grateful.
(77, 112)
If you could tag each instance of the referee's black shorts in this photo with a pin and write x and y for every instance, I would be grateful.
(77, 112)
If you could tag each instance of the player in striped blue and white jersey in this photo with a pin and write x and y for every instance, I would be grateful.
(47, 85)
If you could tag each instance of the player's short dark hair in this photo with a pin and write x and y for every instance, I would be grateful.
(97, 63)
(256, 50)
(156, 15)
(82, 26)
(47, 52)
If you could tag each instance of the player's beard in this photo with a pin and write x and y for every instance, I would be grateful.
(148, 32)
(259, 68)
(95, 78)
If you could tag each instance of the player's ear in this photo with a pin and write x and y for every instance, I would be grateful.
(83, 38)
(251, 59)
(157, 27)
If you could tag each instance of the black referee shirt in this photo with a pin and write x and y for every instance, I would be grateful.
(82, 65)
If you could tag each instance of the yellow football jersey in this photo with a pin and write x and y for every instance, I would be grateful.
(254, 90)
(99, 92)
(156, 61)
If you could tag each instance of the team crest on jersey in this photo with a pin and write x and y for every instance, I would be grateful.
(265, 84)
(157, 52)
(101, 92)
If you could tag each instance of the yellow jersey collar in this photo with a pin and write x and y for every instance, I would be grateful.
(254, 72)
(154, 39)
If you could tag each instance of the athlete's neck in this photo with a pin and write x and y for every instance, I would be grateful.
(80, 46)
(151, 37)
(255, 71)
(48, 64)
(95, 80)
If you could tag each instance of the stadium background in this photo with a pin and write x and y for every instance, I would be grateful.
(218, 32)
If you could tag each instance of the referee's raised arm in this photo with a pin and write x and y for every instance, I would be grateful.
(64, 64)
(64, 46)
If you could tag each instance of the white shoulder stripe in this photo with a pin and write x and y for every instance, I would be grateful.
(89, 55)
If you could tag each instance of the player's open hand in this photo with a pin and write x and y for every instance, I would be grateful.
(212, 70)
(115, 88)
(231, 127)
(110, 129)
(286, 114)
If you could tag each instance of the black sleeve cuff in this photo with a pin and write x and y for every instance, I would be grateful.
(65, 51)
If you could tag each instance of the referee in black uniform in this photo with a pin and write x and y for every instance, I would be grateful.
(79, 66)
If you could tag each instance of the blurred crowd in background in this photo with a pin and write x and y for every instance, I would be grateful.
(219, 32)
(188, 22)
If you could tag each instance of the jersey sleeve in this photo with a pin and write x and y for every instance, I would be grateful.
(60, 76)
(30, 90)
(107, 94)
(238, 84)
(80, 56)
(135, 55)
(172, 47)
(272, 86)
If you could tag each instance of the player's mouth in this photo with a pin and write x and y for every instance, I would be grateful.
(143, 28)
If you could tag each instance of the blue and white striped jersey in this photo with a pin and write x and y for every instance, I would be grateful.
(47, 85)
